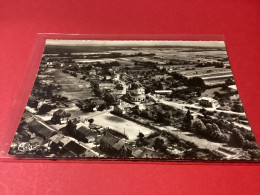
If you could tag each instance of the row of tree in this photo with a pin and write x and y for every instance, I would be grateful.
(219, 131)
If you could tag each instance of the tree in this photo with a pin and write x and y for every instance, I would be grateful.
(158, 85)
(250, 145)
(98, 92)
(236, 139)
(45, 108)
(58, 115)
(237, 108)
(168, 115)
(159, 144)
(196, 82)
(198, 126)
(160, 116)
(71, 128)
(141, 136)
(187, 121)
(229, 81)
(91, 120)
(109, 99)
(144, 114)
(141, 141)
(219, 65)
(102, 107)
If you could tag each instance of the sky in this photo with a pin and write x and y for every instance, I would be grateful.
(133, 43)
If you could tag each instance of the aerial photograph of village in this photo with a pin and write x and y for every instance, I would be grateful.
(134, 100)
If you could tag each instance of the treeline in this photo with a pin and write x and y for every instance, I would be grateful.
(111, 55)
(160, 113)
(220, 130)
(208, 64)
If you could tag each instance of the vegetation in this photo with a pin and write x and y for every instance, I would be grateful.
(45, 108)
(58, 115)
(159, 145)
(187, 122)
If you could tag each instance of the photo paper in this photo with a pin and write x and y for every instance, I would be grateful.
(135, 100)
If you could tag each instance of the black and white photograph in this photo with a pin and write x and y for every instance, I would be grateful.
(135, 100)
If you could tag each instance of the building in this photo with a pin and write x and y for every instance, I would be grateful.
(85, 134)
(208, 102)
(72, 149)
(163, 92)
(40, 129)
(136, 92)
(113, 145)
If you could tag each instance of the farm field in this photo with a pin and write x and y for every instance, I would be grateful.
(73, 88)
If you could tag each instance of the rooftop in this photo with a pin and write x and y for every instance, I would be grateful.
(84, 130)
(75, 148)
(110, 139)
(208, 99)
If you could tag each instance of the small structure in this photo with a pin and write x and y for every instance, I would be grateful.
(163, 92)
(208, 102)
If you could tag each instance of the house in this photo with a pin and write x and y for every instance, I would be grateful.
(107, 142)
(112, 144)
(72, 149)
(40, 129)
(208, 102)
(85, 134)
(55, 142)
(136, 92)
(65, 140)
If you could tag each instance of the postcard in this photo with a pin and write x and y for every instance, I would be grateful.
(135, 100)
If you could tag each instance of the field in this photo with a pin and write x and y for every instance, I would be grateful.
(73, 88)
(123, 126)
